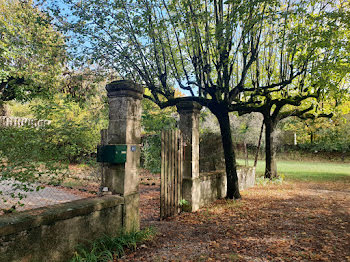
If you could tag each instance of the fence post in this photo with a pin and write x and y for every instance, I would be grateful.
(124, 98)
(189, 125)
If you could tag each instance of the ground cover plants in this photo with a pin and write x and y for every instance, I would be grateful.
(109, 248)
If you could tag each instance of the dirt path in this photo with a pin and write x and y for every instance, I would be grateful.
(296, 221)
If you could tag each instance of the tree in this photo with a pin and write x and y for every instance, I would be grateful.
(295, 76)
(324, 135)
(31, 51)
(205, 48)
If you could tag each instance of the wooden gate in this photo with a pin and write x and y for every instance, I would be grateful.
(171, 173)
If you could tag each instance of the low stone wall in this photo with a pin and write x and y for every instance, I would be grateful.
(52, 233)
(213, 184)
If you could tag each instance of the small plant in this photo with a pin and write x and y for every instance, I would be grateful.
(183, 202)
(110, 248)
(262, 181)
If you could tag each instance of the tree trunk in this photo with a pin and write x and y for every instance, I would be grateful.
(230, 159)
(270, 150)
(245, 153)
(259, 144)
(3, 111)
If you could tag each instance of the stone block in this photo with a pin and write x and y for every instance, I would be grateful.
(124, 132)
(124, 108)
(51, 234)
(121, 180)
(191, 193)
(131, 212)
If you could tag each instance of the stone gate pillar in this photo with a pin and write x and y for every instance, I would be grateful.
(189, 125)
(124, 99)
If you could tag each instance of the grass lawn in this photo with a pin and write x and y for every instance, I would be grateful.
(308, 171)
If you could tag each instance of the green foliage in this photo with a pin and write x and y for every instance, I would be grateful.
(262, 181)
(83, 85)
(323, 134)
(31, 51)
(110, 248)
(183, 202)
(27, 156)
(151, 153)
(75, 128)
(154, 120)
(17, 109)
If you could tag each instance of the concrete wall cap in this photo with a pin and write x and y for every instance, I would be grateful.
(188, 106)
(16, 222)
(124, 88)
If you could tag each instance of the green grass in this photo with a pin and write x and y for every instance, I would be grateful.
(307, 171)
(109, 248)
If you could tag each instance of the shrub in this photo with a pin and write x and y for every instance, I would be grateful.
(151, 153)
(75, 128)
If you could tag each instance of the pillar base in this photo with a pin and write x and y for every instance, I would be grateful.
(131, 218)
(191, 193)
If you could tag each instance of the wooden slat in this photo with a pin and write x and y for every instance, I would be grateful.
(162, 175)
(168, 167)
(176, 172)
(171, 173)
(167, 161)
(181, 160)
(171, 165)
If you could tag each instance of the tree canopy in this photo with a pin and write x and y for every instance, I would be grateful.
(225, 55)
(32, 52)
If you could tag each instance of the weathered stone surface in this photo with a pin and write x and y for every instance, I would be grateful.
(246, 177)
(124, 132)
(189, 125)
(123, 183)
(124, 108)
(52, 233)
(213, 184)
(124, 98)
(132, 212)
(122, 88)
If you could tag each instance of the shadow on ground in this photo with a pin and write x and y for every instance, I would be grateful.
(296, 221)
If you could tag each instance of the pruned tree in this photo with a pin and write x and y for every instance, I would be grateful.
(208, 49)
(293, 77)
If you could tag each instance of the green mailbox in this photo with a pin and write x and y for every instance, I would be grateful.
(114, 154)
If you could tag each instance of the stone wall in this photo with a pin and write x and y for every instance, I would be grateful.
(204, 154)
(213, 184)
(211, 153)
(53, 233)
(212, 174)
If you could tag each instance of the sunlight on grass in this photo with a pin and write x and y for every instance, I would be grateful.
(307, 171)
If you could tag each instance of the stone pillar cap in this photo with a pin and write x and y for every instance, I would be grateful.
(122, 88)
(188, 106)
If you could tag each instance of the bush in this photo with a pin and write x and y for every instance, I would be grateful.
(151, 153)
(75, 128)
(154, 120)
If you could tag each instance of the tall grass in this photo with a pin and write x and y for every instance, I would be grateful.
(107, 249)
